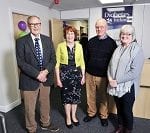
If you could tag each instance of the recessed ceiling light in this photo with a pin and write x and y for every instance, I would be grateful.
(110, 1)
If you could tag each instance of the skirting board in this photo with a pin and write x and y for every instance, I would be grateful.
(9, 107)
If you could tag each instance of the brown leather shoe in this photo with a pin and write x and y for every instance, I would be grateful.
(50, 128)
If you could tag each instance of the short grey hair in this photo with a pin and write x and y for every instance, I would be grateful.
(128, 29)
(30, 17)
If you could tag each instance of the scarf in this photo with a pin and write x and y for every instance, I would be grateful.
(121, 63)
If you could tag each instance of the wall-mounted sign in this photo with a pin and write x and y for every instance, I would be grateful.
(117, 16)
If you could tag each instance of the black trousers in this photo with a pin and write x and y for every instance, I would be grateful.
(124, 106)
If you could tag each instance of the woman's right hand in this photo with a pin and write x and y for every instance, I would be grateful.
(59, 83)
(113, 83)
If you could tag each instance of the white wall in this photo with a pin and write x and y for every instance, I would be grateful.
(9, 94)
(95, 13)
(146, 31)
(138, 11)
(75, 14)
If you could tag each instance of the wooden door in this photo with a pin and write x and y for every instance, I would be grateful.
(56, 31)
(17, 32)
(16, 19)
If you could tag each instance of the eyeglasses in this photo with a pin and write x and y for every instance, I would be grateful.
(125, 34)
(34, 24)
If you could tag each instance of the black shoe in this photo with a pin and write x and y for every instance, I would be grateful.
(50, 128)
(104, 122)
(70, 126)
(76, 123)
(88, 118)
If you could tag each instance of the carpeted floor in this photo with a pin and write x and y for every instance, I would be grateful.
(16, 124)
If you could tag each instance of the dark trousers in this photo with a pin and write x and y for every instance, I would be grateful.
(124, 106)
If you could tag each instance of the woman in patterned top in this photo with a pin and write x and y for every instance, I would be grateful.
(70, 74)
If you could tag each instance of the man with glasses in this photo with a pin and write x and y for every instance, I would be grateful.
(36, 61)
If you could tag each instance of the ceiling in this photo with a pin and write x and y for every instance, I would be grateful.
(80, 4)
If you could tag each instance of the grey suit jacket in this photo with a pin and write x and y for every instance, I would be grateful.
(28, 62)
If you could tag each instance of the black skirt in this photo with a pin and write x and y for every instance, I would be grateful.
(71, 80)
